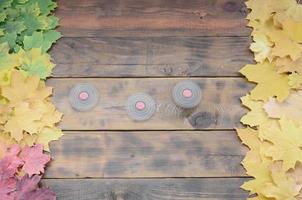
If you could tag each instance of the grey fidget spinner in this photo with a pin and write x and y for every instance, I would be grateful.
(83, 97)
(140, 107)
(186, 94)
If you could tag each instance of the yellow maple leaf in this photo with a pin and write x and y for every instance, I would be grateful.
(5, 76)
(261, 46)
(24, 88)
(263, 10)
(281, 188)
(255, 164)
(7, 61)
(286, 143)
(286, 64)
(283, 45)
(28, 140)
(291, 108)
(257, 115)
(35, 62)
(264, 74)
(22, 119)
(295, 80)
(48, 134)
(5, 142)
(295, 12)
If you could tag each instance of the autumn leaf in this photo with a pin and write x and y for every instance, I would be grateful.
(7, 61)
(264, 74)
(27, 188)
(28, 111)
(34, 159)
(291, 108)
(22, 88)
(35, 62)
(7, 188)
(41, 40)
(255, 164)
(295, 80)
(284, 46)
(286, 143)
(257, 115)
(47, 135)
(23, 119)
(10, 164)
(282, 187)
(261, 47)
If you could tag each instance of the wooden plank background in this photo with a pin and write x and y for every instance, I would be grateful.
(128, 46)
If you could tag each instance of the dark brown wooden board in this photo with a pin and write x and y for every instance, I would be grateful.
(219, 108)
(129, 46)
(151, 56)
(148, 189)
(94, 18)
(147, 154)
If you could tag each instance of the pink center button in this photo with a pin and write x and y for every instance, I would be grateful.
(140, 105)
(83, 96)
(187, 93)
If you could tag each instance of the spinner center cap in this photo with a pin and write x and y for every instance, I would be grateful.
(83, 96)
(140, 105)
(187, 93)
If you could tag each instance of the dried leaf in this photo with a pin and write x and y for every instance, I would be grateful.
(264, 74)
(34, 159)
(291, 108)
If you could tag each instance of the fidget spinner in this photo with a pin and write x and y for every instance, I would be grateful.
(140, 107)
(83, 97)
(186, 94)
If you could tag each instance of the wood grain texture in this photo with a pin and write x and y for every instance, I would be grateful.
(122, 18)
(147, 154)
(151, 56)
(148, 189)
(219, 108)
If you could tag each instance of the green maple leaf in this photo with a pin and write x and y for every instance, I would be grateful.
(46, 6)
(41, 40)
(35, 62)
(21, 18)
(5, 3)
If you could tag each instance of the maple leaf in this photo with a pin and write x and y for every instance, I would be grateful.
(295, 80)
(27, 184)
(23, 119)
(291, 108)
(286, 143)
(27, 188)
(257, 114)
(5, 142)
(48, 134)
(41, 40)
(34, 159)
(7, 61)
(284, 46)
(282, 187)
(10, 163)
(286, 64)
(22, 88)
(255, 164)
(261, 47)
(23, 18)
(35, 62)
(5, 76)
(7, 188)
(262, 10)
(264, 74)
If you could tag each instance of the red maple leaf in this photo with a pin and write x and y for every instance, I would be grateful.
(34, 159)
(10, 163)
(7, 188)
